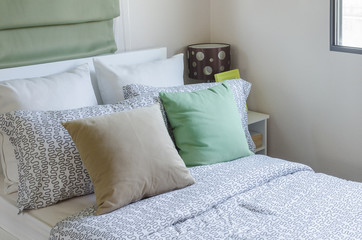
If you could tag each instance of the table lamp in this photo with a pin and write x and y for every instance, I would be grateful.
(207, 59)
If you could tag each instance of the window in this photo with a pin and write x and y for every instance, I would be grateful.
(346, 26)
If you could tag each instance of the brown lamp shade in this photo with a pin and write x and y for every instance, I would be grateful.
(207, 59)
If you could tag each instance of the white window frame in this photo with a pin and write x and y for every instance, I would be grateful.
(335, 29)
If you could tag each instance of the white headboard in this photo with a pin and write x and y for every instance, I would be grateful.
(126, 58)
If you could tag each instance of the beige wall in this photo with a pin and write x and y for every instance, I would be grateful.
(314, 96)
(173, 24)
(167, 23)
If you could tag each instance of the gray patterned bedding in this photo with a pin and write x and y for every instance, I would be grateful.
(256, 197)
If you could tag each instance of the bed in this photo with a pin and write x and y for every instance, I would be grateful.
(248, 197)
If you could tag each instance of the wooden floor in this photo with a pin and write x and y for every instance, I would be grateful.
(5, 236)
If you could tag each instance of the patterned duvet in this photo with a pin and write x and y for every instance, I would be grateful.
(257, 197)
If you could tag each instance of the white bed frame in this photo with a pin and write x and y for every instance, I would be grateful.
(125, 58)
(25, 226)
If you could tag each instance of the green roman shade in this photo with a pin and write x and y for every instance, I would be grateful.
(38, 31)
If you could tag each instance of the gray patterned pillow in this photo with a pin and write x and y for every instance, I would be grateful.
(49, 164)
(241, 90)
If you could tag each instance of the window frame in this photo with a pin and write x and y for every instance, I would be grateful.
(334, 30)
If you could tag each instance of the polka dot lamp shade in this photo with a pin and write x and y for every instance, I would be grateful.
(207, 59)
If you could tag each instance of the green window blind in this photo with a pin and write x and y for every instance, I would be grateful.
(38, 31)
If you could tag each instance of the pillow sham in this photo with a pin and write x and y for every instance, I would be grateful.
(206, 125)
(240, 89)
(112, 77)
(66, 90)
(49, 164)
(129, 156)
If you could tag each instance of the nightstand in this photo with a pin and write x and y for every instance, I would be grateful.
(257, 123)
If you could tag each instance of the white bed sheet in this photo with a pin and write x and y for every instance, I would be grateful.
(36, 224)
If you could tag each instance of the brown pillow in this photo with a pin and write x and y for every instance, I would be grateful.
(129, 156)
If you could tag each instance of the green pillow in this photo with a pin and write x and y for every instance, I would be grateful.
(206, 125)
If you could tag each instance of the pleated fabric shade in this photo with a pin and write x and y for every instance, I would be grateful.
(39, 31)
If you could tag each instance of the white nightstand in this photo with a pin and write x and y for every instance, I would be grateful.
(258, 123)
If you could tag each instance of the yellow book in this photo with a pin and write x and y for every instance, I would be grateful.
(232, 74)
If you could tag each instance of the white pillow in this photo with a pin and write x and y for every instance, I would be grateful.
(161, 73)
(67, 90)
(9, 165)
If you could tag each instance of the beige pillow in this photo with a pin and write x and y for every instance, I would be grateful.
(129, 156)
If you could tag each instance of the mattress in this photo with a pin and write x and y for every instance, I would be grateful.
(36, 224)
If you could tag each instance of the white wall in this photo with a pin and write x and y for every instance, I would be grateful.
(314, 96)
